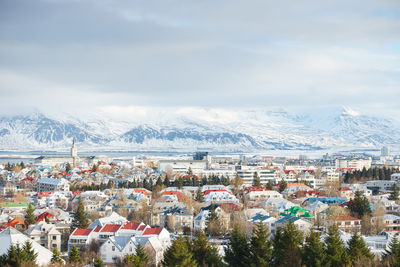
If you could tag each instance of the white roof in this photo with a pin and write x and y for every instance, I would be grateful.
(112, 218)
(11, 236)
(52, 181)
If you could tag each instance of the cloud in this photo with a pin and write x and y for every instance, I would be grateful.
(116, 55)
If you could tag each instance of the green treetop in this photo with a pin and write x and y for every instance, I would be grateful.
(358, 250)
(395, 194)
(260, 246)
(335, 250)
(80, 219)
(313, 254)
(29, 218)
(237, 252)
(179, 255)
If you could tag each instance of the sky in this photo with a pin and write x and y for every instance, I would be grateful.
(132, 56)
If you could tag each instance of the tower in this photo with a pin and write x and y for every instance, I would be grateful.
(74, 151)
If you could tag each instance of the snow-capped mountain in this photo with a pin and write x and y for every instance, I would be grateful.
(205, 129)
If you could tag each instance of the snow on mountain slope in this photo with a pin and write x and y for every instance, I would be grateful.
(192, 129)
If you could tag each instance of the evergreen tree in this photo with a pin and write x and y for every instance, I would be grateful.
(256, 179)
(313, 254)
(29, 217)
(166, 182)
(179, 255)
(80, 219)
(67, 167)
(189, 171)
(269, 185)
(28, 254)
(74, 256)
(159, 181)
(287, 251)
(204, 253)
(395, 194)
(282, 186)
(56, 258)
(391, 256)
(358, 250)
(139, 259)
(199, 195)
(179, 183)
(237, 252)
(359, 206)
(335, 250)
(260, 246)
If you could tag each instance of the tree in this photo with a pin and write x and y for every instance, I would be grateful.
(260, 246)
(199, 195)
(28, 254)
(19, 256)
(56, 258)
(269, 185)
(74, 256)
(256, 179)
(80, 219)
(287, 246)
(358, 250)
(139, 259)
(335, 250)
(391, 256)
(395, 194)
(29, 217)
(189, 171)
(67, 167)
(204, 253)
(213, 223)
(313, 254)
(359, 206)
(166, 181)
(98, 262)
(179, 254)
(179, 182)
(237, 252)
(282, 186)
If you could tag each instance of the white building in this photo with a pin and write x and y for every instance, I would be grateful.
(50, 184)
(11, 236)
(180, 166)
(45, 234)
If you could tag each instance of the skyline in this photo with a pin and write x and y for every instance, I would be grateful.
(59, 56)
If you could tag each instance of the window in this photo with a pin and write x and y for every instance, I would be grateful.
(113, 248)
(54, 237)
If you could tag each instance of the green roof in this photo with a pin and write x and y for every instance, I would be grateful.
(294, 210)
(13, 204)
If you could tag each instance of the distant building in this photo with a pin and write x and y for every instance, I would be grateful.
(50, 184)
(385, 151)
(197, 166)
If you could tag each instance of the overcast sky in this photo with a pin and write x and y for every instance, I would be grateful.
(59, 55)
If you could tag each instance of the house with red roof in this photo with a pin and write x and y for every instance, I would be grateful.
(46, 216)
(81, 238)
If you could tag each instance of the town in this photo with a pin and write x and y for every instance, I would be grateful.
(153, 210)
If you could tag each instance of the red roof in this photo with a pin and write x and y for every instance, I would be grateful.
(97, 229)
(170, 193)
(345, 218)
(141, 228)
(110, 228)
(82, 231)
(130, 226)
(75, 193)
(215, 190)
(44, 193)
(288, 171)
(143, 191)
(255, 188)
(14, 222)
(43, 216)
(152, 231)
(344, 188)
(295, 184)
(30, 178)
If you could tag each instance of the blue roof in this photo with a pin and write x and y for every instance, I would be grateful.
(327, 200)
(288, 219)
(259, 217)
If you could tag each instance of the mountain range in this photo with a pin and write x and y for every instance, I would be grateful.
(202, 129)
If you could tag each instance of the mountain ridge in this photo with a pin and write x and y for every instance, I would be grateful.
(223, 131)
